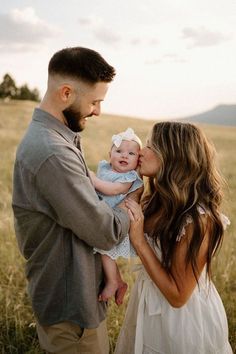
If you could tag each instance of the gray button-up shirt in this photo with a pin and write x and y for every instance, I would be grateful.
(58, 220)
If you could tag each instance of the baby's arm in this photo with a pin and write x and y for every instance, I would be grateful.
(109, 188)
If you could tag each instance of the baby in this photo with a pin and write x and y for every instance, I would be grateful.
(114, 180)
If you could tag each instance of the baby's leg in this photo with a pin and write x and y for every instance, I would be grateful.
(114, 284)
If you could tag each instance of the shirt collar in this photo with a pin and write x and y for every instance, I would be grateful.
(51, 122)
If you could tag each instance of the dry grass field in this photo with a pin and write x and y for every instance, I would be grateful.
(17, 334)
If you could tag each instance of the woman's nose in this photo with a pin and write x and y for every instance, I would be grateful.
(141, 152)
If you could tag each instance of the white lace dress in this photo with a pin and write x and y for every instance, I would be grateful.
(152, 325)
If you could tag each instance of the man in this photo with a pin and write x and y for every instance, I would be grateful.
(58, 216)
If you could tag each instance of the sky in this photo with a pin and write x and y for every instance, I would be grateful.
(172, 58)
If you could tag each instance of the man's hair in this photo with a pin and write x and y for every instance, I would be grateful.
(81, 63)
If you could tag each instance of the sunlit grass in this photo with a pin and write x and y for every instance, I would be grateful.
(17, 334)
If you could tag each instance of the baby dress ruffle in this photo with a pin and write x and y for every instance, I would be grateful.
(123, 249)
(106, 173)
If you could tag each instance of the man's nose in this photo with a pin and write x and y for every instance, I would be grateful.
(97, 110)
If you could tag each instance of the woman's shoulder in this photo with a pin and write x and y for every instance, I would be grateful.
(203, 213)
(224, 219)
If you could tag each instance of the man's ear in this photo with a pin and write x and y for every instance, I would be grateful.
(66, 93)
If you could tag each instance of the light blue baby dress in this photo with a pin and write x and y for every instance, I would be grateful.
(105, 172)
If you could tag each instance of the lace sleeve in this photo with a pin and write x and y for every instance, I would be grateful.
(224, 219)
(188, 220)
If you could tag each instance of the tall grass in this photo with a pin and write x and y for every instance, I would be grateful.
(17, 324)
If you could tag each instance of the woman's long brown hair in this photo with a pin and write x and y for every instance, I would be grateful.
(187, 179)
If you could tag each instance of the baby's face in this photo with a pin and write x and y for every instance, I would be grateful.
(125, 157)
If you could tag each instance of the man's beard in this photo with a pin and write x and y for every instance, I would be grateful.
(73, 119)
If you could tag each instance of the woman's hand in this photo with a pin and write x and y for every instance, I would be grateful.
(136, 195)
(135, 213)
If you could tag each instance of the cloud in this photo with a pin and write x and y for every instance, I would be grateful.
(107, 35)
(203, 37)
(154, 41)
(22, 30)
(167, 58)
(135, 41)
(99, 30)
(91, 21)
(174, 58)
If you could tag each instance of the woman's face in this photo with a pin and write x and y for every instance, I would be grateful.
(148, 161)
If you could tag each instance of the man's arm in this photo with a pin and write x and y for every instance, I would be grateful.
(64, 183)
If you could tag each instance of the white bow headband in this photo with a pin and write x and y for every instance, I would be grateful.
(127, 135)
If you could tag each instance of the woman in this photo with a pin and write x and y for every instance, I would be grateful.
(174, 307)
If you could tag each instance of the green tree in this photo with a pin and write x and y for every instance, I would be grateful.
(24, 93)
(35, 96)
(8, 87)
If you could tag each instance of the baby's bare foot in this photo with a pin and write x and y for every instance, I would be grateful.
(120, 293)
(109, 290)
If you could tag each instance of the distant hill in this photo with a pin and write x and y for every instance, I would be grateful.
(220, 115)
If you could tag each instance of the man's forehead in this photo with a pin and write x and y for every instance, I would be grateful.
(96, 91)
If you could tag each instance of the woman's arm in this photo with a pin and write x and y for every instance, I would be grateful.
(178, 286)
(109, 188)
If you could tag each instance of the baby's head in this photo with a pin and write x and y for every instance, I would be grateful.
(124, 152)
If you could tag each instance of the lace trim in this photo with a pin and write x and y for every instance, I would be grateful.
(224, 219)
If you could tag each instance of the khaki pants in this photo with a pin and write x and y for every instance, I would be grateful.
(69, 338)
